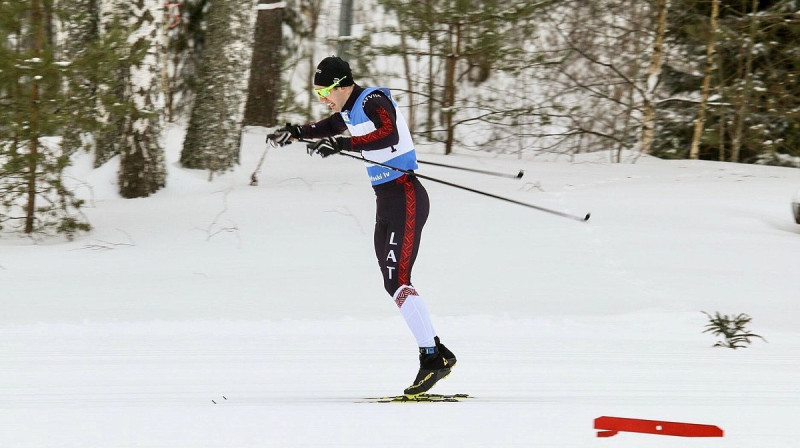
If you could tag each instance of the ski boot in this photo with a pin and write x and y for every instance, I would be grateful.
(433, 366)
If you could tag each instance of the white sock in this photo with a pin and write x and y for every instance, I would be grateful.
(416, 315)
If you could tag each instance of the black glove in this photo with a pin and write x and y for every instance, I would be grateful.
(325, 147)
(297, 131)
(279, 138)
(282, 136)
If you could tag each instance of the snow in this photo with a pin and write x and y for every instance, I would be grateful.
(269, 296)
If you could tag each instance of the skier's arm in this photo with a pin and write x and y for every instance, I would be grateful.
(327, 127)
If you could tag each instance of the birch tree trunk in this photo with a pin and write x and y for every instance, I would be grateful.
(214, 133)
(142, 167)
(653, 76)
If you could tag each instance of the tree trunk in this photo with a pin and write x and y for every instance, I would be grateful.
(653, 75)
(312, 11)
(448, 105)
(345, 29)
(169, 25)
(142, 169)
(736, 144)
(263, 90)
(38, 28)
(213, 136)
(694, 151)
(431, 91)
(722, 114)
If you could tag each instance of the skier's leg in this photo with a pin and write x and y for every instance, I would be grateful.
(402, 212)
(416, 315)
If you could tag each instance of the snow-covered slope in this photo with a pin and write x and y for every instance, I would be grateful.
(270, 296)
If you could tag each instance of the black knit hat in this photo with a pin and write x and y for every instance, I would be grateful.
(331, 69)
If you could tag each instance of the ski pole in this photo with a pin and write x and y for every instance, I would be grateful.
(450, 184)
(474, 170)
(254, 176)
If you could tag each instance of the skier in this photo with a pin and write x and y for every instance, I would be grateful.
(380, 133)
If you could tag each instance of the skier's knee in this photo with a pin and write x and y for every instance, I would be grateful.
(391, 286)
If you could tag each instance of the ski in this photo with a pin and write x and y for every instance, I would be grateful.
(421, 398)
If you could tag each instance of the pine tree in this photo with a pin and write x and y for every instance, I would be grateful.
(33, 107)
(213, 136)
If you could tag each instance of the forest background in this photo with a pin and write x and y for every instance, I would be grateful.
(709, 79)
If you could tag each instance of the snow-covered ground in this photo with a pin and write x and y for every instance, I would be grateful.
(218, 314)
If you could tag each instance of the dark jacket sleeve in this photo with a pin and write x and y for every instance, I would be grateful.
(327, 127)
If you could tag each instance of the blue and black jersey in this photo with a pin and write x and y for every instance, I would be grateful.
(378, 129)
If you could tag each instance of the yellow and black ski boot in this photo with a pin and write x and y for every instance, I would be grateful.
(432, 368)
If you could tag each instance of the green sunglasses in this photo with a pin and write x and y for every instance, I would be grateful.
(326, 91)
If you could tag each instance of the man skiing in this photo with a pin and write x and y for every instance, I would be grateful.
(380, 133)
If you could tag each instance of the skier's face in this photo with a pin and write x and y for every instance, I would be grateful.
(336, 98)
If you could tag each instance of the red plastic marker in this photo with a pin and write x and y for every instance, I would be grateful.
(610, 426)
